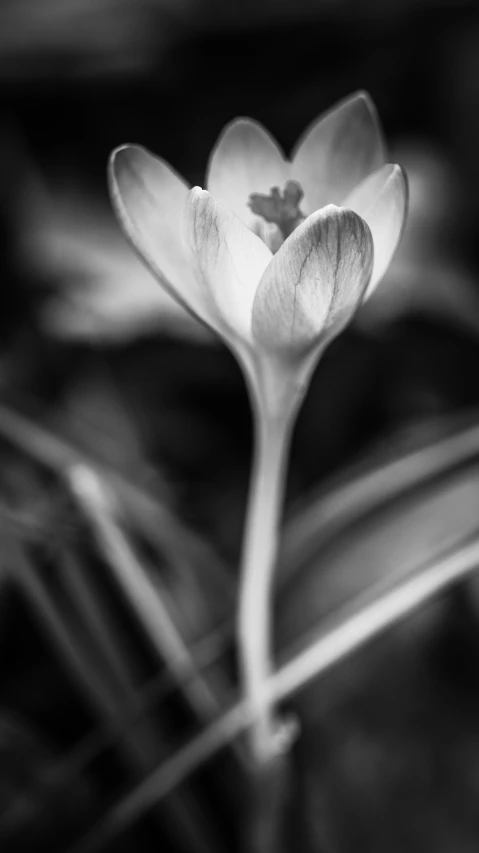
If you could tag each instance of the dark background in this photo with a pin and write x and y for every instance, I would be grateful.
(76, 80)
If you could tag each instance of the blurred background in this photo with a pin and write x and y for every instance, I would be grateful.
(125, 433)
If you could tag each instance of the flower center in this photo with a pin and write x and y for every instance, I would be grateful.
(280, 208)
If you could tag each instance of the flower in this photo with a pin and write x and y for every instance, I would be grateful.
(275, 255)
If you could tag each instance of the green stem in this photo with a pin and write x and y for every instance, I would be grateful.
(272, 439)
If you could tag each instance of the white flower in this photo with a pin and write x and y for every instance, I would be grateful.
(276, 256)
(334, 212)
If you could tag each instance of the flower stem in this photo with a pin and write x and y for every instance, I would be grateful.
(272, 439)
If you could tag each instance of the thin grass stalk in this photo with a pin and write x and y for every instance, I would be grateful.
(206, 653)
(95, 503)
(97, 619)
(183, 811)
(178, 541)
(359, 494)
(139, 744)
(217, 682)
(25, 576)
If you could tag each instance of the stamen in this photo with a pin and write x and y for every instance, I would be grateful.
(280, 208)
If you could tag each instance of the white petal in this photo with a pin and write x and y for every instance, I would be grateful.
(149, 198)
(245, 160)
(314, 283)
(338, 151)
(230, 258)
(381, 200)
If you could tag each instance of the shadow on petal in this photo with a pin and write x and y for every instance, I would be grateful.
(382, 201)
(314, 283)
(341, 148)
(245, 160)
(230, 258)
(148, 198)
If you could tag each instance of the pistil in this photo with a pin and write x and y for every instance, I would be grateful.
(281, 208)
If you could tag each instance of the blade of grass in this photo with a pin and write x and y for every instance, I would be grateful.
(206, 653)
(321, 515)
(177, 541)
(96, 505)
(139, 743)
(150, 607)
(24, 575)
(386, 545)
(327, 650)
(183, 810)
(96, 617)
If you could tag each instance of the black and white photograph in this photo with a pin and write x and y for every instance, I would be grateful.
(239, 426)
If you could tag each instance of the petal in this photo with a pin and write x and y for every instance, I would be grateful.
(382, 200)
(338, 151)
(314, 283)
(148, 198)
(230, 258)
(245, 160)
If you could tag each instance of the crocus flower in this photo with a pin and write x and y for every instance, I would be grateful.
(276, 255)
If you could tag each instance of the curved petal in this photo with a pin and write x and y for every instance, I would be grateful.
(382, 200)
(245, 160)
(338, 151)
(230, 258)
(314, 283)
(148, 198)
